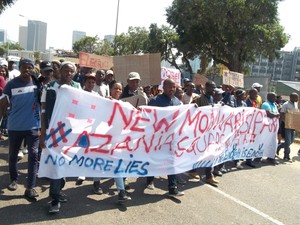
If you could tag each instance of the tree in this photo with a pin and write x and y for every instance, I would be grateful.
(231, 32)
(4, 4)
(86, 44)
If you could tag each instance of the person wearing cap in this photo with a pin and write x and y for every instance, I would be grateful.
(100, 87)
(167, 98)
(23, 123)
(189, 95)
(67, 71)
(259, 100)
(46, 70)
(109, 76)
(185, 83)
(132, 87)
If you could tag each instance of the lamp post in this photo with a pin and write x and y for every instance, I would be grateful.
(34, 38)
(117, 19)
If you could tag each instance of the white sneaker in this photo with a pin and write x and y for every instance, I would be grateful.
(20, 155)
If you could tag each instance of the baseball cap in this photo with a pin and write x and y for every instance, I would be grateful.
(239, 92)
(256, 85)
(46, 65)
(218, 91)
(134, 76)
(3, 62)
(88, 76)
(25, 61)
(109, 72)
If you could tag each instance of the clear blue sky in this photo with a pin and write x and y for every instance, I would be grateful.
(99, 18)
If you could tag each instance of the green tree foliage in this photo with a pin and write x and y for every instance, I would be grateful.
(231, 32)
(134, 42)
(4, 4)
(86, 44)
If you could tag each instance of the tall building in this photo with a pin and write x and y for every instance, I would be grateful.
(286, 67)
(109, 37)
(36, 35)
(3, 36)
(77, 35)
(23, 36)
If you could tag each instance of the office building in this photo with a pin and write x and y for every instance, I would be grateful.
(23, 36)
(77, 35)
(286, 67)
(3, 36)
(36, 35)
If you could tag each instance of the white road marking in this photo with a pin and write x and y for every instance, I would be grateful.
(245, 205)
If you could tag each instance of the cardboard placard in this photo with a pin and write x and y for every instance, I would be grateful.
(95, 61)
(147, 65)
(233, 78)
(200, 79)
(292, 120)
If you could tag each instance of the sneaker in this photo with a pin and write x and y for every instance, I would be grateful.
(13, 186)
(62, 198)
(223, 170)
(212, 181)
(54, 207)
(218, 173)
(31, 193)
(250, 164)
(238, 165)
(194, 175)
(272, 161)
(96, 188)
(25, 151)
(286, 158)
(123, 197)
(79, 181)
(173, 192)
(150, 185)
(20, 155)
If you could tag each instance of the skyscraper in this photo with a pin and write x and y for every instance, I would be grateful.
(3, 36)
(77, 35)
(36, 35)
(23, 36)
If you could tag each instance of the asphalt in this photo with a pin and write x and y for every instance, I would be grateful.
(264, 195)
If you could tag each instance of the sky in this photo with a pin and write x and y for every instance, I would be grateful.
(98, 17)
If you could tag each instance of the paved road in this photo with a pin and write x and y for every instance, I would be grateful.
(264, 195)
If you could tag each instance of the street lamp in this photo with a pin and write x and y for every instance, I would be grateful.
(116, 30)
(34, 38)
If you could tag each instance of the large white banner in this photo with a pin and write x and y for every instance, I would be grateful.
(97, 137)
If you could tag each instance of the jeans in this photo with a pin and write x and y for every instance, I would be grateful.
(288, 140)
(55, 187)
(118, 180)
(172, 181)
(15, 139)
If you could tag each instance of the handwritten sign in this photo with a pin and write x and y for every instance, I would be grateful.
(200, 79)
(173, 74)
(95, 61)
(233, 78)
(98, 137)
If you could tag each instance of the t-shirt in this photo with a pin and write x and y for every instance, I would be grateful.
(269, 106)
(24, 105)
(103, 90)
(186, 99)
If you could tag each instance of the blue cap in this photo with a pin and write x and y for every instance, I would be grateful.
(26, 61)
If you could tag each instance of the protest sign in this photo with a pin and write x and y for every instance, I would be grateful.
(233, 78)
(147, 65)
(292, 120)
(200, 79)
(97, 137)
(173, 74)
(95, 61)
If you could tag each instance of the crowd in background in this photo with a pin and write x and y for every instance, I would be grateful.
(28, 95)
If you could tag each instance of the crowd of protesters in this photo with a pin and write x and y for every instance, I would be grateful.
(28, 95)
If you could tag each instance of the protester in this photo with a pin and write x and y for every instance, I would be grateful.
(289, 134)
(259, 100)
(100, 87)
(23, 123)
(67, 71)
(272, 112)
(164, 100)
(189, 95)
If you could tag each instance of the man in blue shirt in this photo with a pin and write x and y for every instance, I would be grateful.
(165, 99)
(22, 94)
